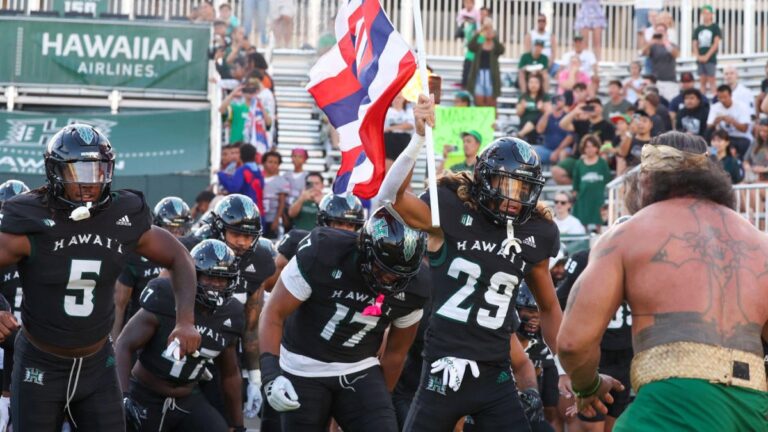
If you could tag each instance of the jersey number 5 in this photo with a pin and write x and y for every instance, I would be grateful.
(78, 300)
(498, 294)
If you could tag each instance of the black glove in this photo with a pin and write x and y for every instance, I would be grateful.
(134, 413)
(532, 405)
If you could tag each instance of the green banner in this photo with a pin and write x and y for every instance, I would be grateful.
(98, 54)
(147, 143)
(450, 122)
(95, 7)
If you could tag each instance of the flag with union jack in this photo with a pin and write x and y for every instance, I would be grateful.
(354, 84)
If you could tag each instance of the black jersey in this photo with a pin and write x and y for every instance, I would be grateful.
(329, 326)
(290, 242)
(539, 354)
(69, 278)
(618, 335)
(219, 329)
(10, 288)
(476, 283)
(138, 273)
(255, 265)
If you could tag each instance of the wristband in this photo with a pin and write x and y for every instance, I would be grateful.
(594, 387)
(254, 377)
(270, 367)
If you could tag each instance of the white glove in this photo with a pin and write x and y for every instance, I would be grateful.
(5, 406)
(253, 404)
(281, 395)
(453, 370)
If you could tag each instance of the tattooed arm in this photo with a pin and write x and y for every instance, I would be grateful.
(593, 301)
(253, 307)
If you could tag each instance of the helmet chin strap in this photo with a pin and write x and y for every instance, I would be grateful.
(511, 241)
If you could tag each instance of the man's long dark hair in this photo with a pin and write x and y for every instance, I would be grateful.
(711, 183)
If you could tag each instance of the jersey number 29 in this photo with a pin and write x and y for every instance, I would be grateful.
(78, 300)
(498, 293)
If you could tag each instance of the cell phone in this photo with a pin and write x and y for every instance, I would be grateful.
(658, 36)
(588, 108)
(450, 148)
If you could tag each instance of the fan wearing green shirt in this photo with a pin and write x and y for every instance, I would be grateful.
(533, 62)
(472, 140)
(303, 211)
(706, 41)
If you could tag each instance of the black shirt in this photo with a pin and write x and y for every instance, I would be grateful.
(70, 303)
(290, 242)
(603, 129)
(138, 273)
(693, 121)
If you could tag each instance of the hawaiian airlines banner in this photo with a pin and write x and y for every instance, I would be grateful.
(79, 53)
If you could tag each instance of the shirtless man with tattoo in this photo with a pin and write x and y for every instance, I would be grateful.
(695, 275)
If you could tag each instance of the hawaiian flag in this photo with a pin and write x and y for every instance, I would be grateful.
(354, 84)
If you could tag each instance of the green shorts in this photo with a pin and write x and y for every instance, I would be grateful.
(683, 404)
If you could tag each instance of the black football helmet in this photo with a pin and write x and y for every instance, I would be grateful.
(10, 189)
(391, 252)
(172, 214)
(79, 155)
(526, 300)
(338, 208)
(214, 259)
(236, 213)
(507, 172)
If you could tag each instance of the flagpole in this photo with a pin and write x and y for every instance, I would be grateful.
(431, 168)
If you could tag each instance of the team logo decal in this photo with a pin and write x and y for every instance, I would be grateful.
(525, 150)
(336, 274)
(34, 376)
(86, 133)
(409, 243)
(177, 206)
(466, 220)
(249, 207)
(380, 229)
(220, 250)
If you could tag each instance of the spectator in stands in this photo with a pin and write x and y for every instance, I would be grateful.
(726, 153)
(677, 102)
(225, 14)
(239, 69)
(763, 90)
(205, 13)
(608, 151)
(471, 140)
(303, 211)
(651, 104)
(633, 86)
(239, 48)
(247, 180)
(276, 191)
(540, 33)
(257, 62)
(259, 120)
(739, 91)
(566, 223)
(732, 116)
(282, 13)
(645, 15)
(629, 152)
(706, 41)
(298, 177)
(467, 23)
(219, 47)
(235, 108)
(590, 19)
(585, 119)
(533, 62)
(202, 203)
(650, 87)
(692, 118)
(590, 176)
(462, 98)
(530, 107)
(230, 157)
(398, 128)
(588, 59)
(663, 54)
(756, 159)
(616, 103)
(556, 142)
(485, 74)
(572, 75)
(266, 97)
(579, 95)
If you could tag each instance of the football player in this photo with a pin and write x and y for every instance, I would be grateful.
(70, 240)
(10, 286)
(160, 391)
(493, 235)
(236, 221)
(325, 321)
(615, 347)
(529, 335)
(171, 214)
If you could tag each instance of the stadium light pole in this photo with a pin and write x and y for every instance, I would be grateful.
(422, 58)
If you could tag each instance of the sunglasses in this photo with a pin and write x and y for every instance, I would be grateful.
(562, 202)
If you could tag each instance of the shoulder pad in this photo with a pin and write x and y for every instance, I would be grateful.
(158, 298)
(26, 214)
(290, 242)
(420, 286)
(266, 245)
(325, 247)
(234, 312)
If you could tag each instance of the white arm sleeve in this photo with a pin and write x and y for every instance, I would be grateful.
(294, 281)
(400, 170)
(409, 320)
